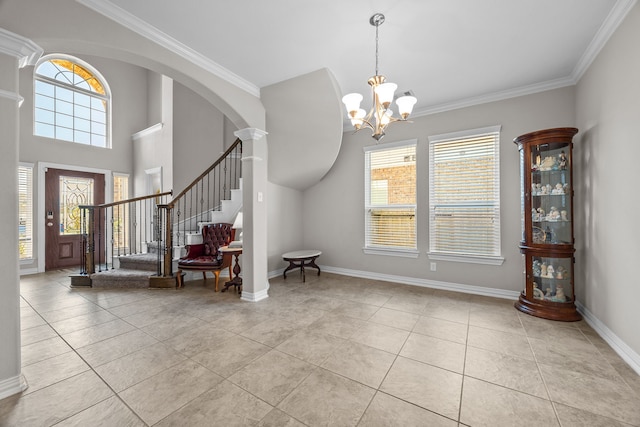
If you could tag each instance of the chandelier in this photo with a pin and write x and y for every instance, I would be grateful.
(380, 115)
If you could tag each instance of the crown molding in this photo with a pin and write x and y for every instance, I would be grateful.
(497, 96)
(127, 20)
(608, 27)
(606, 30)
(484, 99)
(22, 48)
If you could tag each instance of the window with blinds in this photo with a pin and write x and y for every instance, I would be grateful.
(25, 212)
(390, 197)
(464, 193)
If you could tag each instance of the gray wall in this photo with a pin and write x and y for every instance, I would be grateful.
(333, 210)
(10, 381)
(608, 111)
(305, 132)
(285, 231)
(128, 84)
(198, 132)
(153, 149)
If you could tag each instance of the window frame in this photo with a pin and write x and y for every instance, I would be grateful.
(490, 259)
(387, 250)
(107, 98)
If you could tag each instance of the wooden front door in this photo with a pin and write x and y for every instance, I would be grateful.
(65, 190)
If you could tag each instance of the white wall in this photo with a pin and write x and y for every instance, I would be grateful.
(608, 150)
(333, 210)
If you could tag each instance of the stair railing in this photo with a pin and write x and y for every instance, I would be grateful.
(193, 206)
(155, 223)
(120, 228)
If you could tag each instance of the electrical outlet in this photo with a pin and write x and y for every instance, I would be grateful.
(433, 266)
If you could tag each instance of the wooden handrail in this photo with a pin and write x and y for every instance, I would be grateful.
(203, 174)
(135, 199)
(151, 219)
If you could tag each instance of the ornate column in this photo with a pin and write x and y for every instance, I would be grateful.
(15, 53)
(255, 282)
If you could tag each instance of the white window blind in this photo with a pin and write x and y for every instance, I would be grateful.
(464, 193)
(25, 212)
(390, 196)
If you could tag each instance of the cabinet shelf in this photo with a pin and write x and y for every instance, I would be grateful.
(547, 224)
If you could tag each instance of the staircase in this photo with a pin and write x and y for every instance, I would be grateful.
(133, 271)
(227, 213)
(129, 237)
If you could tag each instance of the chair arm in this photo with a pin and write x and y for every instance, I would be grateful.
(194, 251)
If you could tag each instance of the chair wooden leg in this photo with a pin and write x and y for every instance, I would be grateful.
(204, 275)
(179, 277)
(217, 274)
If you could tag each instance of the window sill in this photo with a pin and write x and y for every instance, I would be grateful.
(405, 253)
(473, 259)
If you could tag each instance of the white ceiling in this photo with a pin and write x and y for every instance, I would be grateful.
(450, 53)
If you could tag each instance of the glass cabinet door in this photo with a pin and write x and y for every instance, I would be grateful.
(552, 279)
(551, 211)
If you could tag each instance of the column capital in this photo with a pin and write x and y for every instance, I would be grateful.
(250, 134)
(26, 51)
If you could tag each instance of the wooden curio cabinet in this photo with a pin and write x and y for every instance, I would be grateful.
(546, 165)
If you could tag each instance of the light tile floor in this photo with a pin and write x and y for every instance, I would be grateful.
(336, 351)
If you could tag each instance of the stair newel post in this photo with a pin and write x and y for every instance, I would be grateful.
(164, 215)
(163, 236)
(89, 238)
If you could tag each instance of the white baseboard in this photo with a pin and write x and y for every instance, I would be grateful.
(28, 271)
(255, 297)
(12, 386)
(425, 283)
(275, 273)
(624, 351)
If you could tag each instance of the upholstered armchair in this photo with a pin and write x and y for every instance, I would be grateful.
(205, 256)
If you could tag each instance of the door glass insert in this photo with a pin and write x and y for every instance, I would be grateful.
(74, 191)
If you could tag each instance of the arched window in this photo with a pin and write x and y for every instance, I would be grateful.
(72, 101)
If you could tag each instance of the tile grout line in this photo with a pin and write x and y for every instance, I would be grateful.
(90, 368)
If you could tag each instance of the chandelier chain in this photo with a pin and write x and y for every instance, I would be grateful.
(376, 50)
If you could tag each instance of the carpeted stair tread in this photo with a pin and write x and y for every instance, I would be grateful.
(121, 278)
(146, 262)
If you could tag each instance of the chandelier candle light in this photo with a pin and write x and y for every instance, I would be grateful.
(383, 94)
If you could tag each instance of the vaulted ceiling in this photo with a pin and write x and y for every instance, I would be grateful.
(449, 53)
